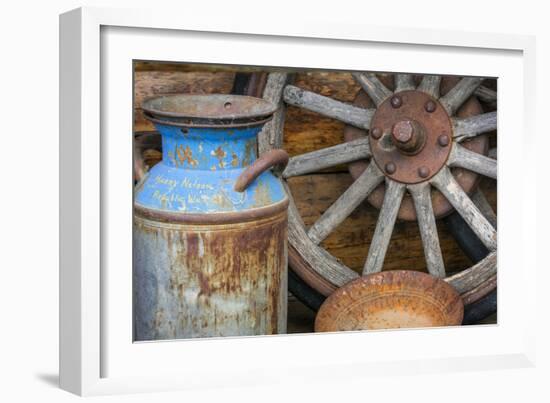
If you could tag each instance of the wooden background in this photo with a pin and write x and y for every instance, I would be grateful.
(306, 131)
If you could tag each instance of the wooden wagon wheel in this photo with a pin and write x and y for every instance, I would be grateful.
(415, 138)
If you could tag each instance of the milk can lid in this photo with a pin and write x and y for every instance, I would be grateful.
(212, 110)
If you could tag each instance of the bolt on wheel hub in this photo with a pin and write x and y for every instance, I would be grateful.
(410, 137)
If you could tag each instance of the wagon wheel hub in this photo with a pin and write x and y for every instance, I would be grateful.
(430, 109)
(410, 137)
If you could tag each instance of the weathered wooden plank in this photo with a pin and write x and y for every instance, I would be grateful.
(346, 203)
(475, 275)
(453, 99)
(430, 85)
(328, 157)
(384, 227)
(147, 152)
(306, 131)
(336, 85)
(146, 66)
(404, 82)
(464, 128)
(139, 167)
(447, 184)
(377, 91)
(271, 135)
(329, 107)
(151, 157)
(422, 197)
(462, 157)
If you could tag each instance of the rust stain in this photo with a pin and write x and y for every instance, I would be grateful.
(204, 285)
(242, 263)
(185, 155)
(220, 154)
(249, 152)
(222, 201)
(234, 160)
(261, 195)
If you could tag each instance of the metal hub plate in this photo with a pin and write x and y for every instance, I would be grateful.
(394, 162)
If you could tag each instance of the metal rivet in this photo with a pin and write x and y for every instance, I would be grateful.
(390, 168)
(430, 106)
(396, 101)
(423, 172)
(376, 133)
(443, 140)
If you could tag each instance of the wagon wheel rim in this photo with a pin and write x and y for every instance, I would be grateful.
(329, 274)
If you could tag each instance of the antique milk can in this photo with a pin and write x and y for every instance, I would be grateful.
(210, 223)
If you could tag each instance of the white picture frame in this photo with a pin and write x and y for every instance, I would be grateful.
(97, 356)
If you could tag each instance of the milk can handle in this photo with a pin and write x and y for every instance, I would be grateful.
(262, 164)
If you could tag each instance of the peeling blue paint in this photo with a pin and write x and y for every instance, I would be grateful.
(199, 169)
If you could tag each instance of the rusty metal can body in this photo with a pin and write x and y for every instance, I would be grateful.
(209, 260)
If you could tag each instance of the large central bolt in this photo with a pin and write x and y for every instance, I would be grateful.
(403, 131)
(408, 136)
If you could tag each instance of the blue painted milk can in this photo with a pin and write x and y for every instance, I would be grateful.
(210, 223)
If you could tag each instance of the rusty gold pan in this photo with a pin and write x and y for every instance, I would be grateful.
(389, 300)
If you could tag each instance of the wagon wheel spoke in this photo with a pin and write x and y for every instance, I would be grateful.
(404, 82)
(271, 135)
(346, 203)
(452, 100)
(447, 184)
(430, 85)
(465, 128)
(377, 91)
(422, 199)
(328, 157)
(329, 107)
(463, 158)
(486, 94)
(484, 206)
(384, 227)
